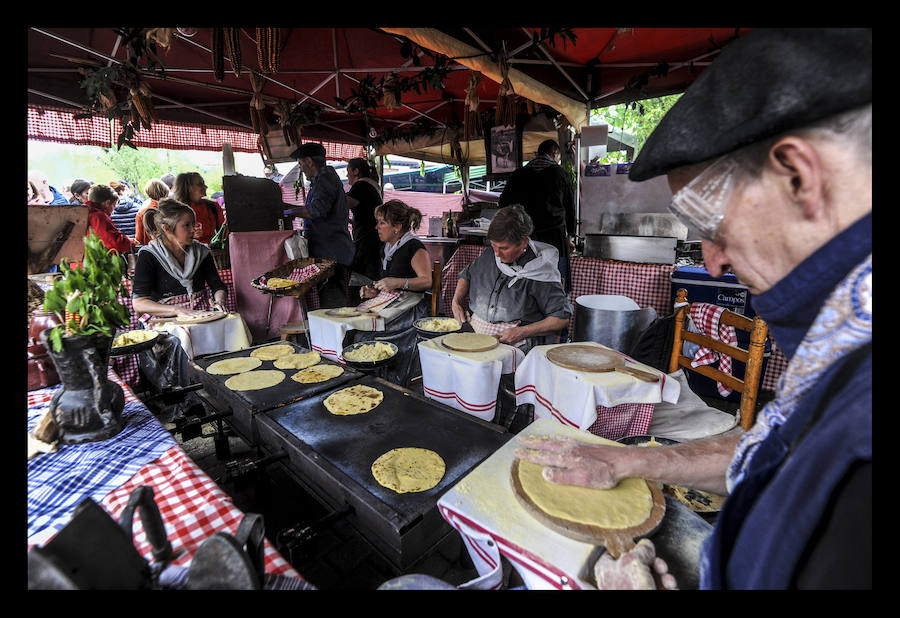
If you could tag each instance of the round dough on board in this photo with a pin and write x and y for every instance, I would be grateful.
(469, 341)
(271, 352)
(254, 380)
(357, 399)
(297, 361)
(317, 373)
(407, 470)
(207, 316)
(233, 365)
(627, 504)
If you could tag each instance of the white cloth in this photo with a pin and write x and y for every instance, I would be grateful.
(571, 397)
(544, 267)
(194, 254)
(390, 250)
(326, 332)
(467, 381)
(690, 418)
(228, 334)
(483, 501)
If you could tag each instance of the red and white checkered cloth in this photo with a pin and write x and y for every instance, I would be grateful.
(483, 327)
(383, 298)
(706, 318)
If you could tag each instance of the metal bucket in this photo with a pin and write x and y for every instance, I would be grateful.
(614, 321)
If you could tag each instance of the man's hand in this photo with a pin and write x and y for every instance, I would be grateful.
(572, 462)
(458, 312)
(639, 569)
(513, 335)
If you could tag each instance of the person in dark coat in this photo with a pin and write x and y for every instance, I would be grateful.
(123, 215)
(546, 192)
(363, 198)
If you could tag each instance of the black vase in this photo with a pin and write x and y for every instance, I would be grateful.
(89, 406)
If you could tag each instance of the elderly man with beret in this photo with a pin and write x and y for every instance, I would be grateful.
(327, 217)
(769, 155)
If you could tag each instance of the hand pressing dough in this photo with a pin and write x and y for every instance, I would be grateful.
(627, 504)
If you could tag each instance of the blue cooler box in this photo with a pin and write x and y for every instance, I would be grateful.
(726, 292)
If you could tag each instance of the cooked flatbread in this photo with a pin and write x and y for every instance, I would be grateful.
(317, 373)
(234, 365)
(627, 504)
(297, 361)
(277, 283)
(271, 352)
(407, 470)
(255, 380)
(357, 399)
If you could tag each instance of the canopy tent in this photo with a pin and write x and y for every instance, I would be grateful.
(335, 79)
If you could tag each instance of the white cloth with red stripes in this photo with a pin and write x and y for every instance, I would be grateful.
(484, 510)
(326, 332)
(706, 319)
(467, 381)
(228, 334)
(572, 397)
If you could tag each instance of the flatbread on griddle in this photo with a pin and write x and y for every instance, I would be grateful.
(297, 361)
(255, 380)
(409, 469)
(271, 352)
(357, 399)
(317, 373)
(229, 366)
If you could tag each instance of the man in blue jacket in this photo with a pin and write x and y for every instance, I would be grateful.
(769, 155)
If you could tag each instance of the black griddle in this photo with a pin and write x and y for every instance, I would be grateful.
(245, 405)
(333, 456)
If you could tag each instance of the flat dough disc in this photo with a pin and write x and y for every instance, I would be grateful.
(407, 470)
(297, 361)
(208, 316)
(626, 505)
(357, 399)
(233, 365)
(469, 341)
(255, 380)
(271, 352)
(317, 373)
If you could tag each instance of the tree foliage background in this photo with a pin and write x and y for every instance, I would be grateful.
(637, 119)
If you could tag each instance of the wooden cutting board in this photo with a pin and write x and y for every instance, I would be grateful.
(342, 314)
(617, 541)
(210, 316)
(466, 342)
(594, 359)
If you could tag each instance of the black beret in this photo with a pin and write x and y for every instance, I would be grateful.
(762, 84)
(309, 149)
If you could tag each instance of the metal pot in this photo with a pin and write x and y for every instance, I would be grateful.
(611, 320)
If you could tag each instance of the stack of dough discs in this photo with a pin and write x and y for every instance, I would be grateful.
(627, 504)
(254, 380)
(317, 373)
(233, 365)
(407, 470)
(271, 352)
(297, 361)
(357, 399)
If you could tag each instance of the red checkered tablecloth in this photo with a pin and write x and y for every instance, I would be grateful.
(649, 285)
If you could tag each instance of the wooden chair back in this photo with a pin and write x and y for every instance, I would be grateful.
(435, 288)
(752, 357)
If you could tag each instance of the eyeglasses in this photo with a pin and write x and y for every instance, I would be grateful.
(702, 202)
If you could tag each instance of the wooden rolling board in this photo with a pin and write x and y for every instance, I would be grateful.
(594, 359)
(457, 342)
(617, 541)
(210, 316)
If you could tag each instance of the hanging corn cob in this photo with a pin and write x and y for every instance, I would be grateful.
(233, 45)
(257, 105)
(472, 123)
(162, 36)
(505, 113)
(283, 112)
(268, 49)
(391, 92)
(218, 53)
(140, 102)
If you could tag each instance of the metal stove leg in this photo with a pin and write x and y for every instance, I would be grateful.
(269, 316)
(304, 318)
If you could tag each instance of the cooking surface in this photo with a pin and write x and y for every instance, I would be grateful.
(402, 419)
(288, 391)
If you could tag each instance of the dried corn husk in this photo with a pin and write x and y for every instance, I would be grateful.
(391, 92)
(283, 113)
(257, 105)
(162, 36)
(505, 113)
(233, 45)
(472, 124)
(218, 53)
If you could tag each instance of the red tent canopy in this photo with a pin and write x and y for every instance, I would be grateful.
(327, 68)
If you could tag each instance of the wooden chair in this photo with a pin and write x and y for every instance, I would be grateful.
(752, 357)
(435, 288)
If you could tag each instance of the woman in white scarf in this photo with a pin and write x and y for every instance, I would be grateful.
(176, 254)
(411, 272)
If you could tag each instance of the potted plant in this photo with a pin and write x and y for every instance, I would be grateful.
(85, 299)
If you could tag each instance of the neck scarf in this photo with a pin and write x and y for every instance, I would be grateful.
(544, 267)
(194, 255)
(389, 250)
(843, 324)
